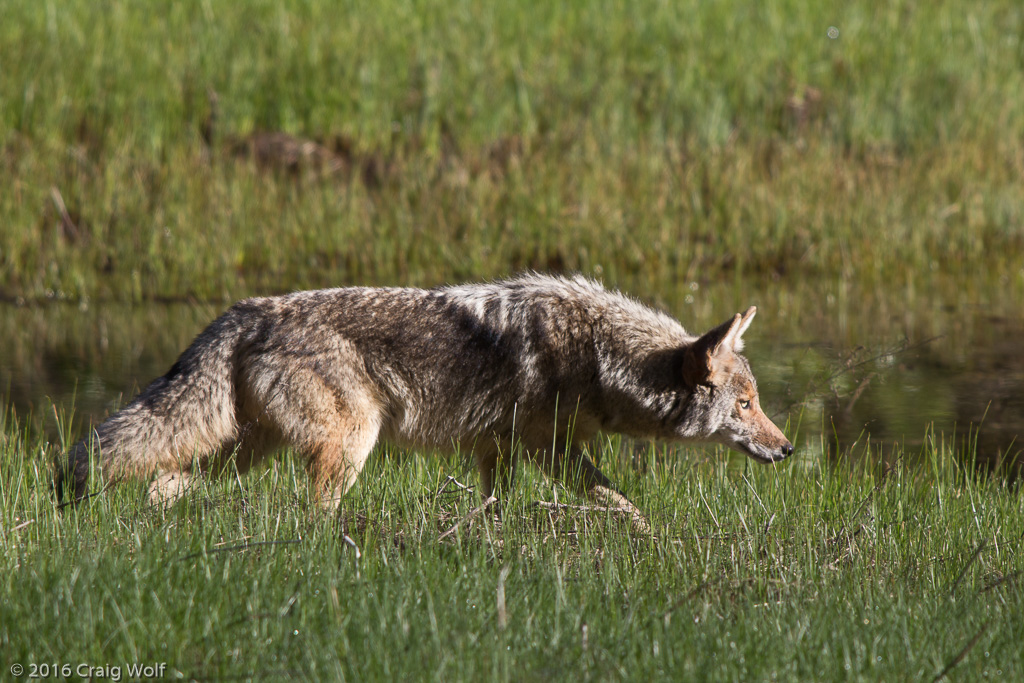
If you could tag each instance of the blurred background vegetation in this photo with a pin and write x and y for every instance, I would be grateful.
(853, 168)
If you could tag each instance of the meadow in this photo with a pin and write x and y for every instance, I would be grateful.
(799, 572)
(853, 169)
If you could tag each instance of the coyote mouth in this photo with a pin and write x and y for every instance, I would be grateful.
(764, 455)
(773, 458)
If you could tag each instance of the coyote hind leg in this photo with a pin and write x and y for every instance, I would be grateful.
(333, 429)
(168, 486)
(334, 463)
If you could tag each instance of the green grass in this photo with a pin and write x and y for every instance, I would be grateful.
(797, 572)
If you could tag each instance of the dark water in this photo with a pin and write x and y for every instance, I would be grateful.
(871, 378)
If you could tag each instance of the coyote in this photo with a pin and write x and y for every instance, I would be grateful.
(538, 361)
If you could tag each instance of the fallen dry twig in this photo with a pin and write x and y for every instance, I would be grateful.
(491, 500)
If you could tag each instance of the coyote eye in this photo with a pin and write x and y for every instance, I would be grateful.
(745, 404)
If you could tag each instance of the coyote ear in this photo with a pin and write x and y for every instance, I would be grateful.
(737, 334)
(702, 357)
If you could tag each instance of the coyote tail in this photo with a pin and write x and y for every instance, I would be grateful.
(189, 412)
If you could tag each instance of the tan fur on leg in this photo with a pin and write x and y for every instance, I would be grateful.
(335, 426)
(168, 487)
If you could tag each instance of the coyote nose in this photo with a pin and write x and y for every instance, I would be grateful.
(787, 450)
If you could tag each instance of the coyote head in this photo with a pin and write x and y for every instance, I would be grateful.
(725, 393)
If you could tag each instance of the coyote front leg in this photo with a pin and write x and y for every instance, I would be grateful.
(581, 475)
